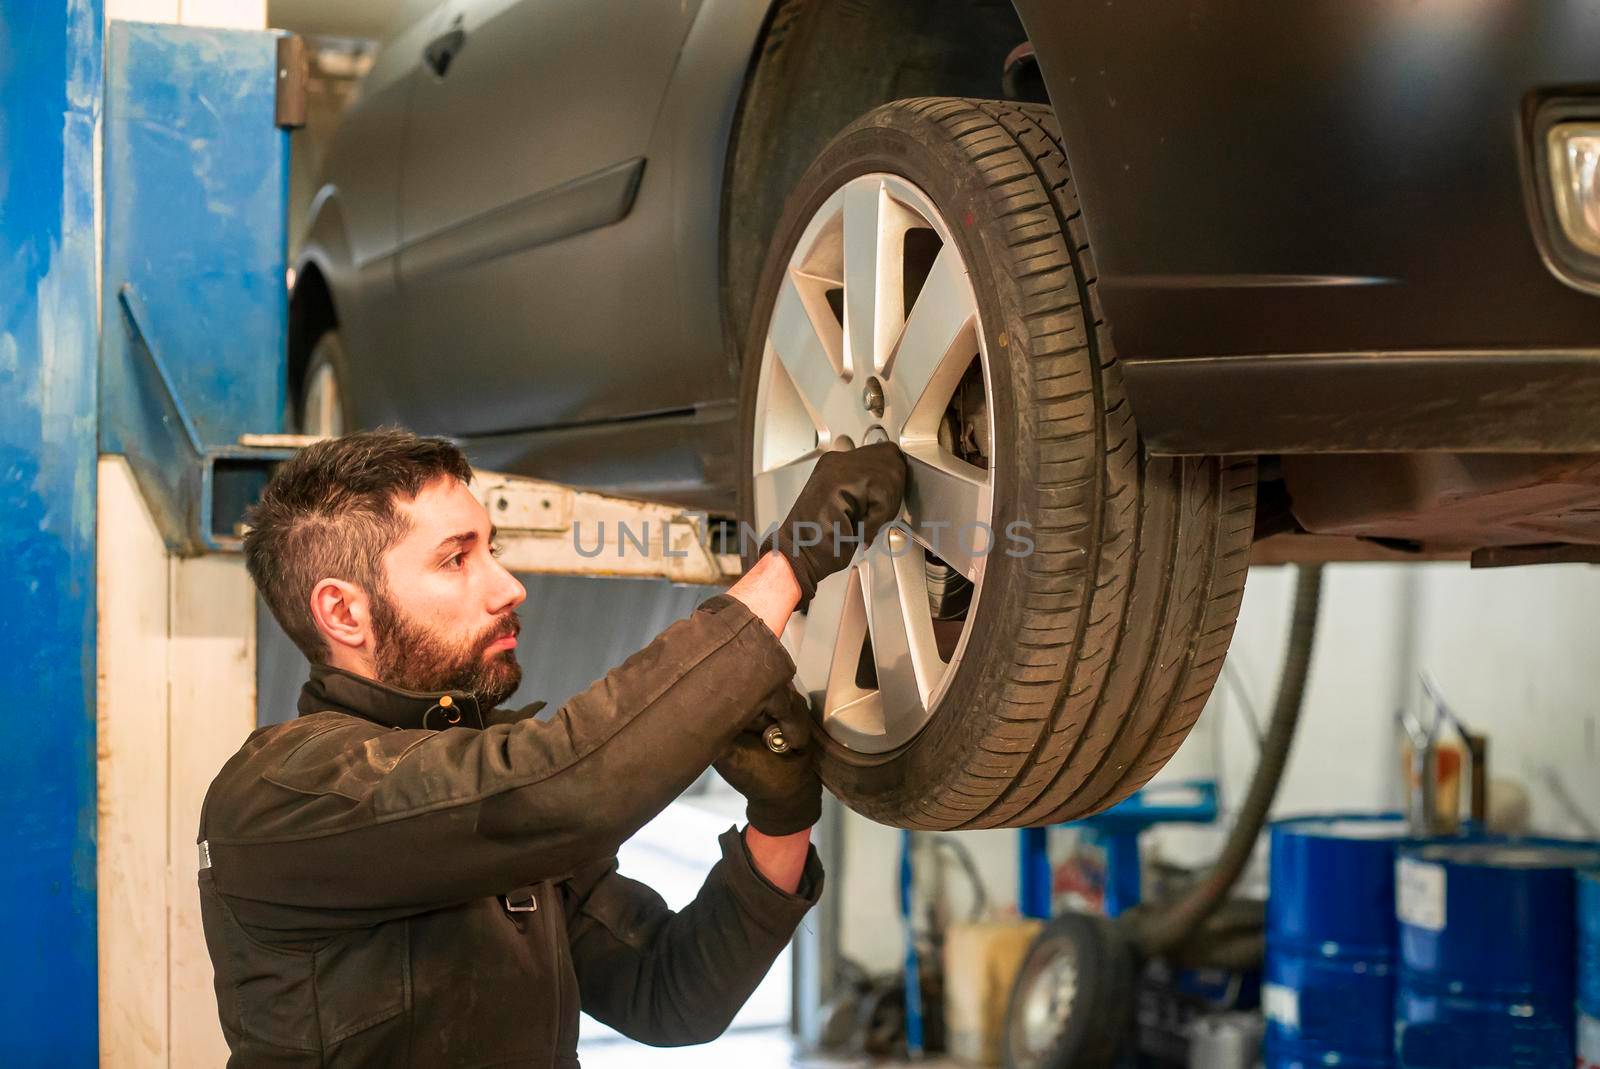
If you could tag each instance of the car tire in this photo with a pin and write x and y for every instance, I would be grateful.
(1082, 664)
(1072, 1004)
(321, 404)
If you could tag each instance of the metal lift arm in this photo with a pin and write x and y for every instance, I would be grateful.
(545, 528)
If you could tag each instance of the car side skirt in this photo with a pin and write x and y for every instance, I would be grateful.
(685, 458)
(1463, 401)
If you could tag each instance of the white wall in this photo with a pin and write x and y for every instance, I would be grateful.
(175, 698)
(1513, 650)
(869, 928)
(1516, 651)
(229, 14)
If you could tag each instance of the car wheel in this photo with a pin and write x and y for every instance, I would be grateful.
(931, 283)
(1072, 1003)
(321, 402)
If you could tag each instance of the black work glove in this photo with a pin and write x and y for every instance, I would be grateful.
(783, 794)
(850, 495)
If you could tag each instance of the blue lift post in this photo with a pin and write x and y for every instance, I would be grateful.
(1117, 831)
(50, 98)
(193, 211)
(912, 966)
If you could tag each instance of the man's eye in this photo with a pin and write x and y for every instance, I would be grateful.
(454, 561)
(495, 550)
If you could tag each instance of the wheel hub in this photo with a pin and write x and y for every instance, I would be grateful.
(1047, 1004)
(872, 397)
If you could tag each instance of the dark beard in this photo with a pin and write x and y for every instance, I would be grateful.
(411, 657)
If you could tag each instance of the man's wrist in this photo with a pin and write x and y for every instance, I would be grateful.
(769, 590)
(778, 859)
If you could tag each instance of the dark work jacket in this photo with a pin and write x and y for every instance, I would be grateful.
(397, 879)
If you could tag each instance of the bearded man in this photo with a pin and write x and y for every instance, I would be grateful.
(410, 875)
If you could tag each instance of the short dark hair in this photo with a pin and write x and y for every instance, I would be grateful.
(328, 513)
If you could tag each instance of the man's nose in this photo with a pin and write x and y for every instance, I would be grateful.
(509, 593)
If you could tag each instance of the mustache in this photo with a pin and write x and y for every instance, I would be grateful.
(508, 626)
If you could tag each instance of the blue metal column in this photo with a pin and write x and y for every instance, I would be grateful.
(50, 95)
(913, 959)
(1034, 890)
(1123, 876)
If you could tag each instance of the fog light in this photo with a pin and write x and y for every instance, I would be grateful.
(1575, 182)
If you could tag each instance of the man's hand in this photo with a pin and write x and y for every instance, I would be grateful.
(782, 792)
(851, 494)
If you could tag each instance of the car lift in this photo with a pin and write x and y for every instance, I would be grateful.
(185, 236)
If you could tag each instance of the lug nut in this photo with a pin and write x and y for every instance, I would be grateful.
(872, 397)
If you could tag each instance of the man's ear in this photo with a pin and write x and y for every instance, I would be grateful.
(343, 614)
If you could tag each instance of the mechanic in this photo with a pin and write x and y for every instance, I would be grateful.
(409, 875)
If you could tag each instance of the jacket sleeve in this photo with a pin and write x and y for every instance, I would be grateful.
(344, 815)
(669, 979)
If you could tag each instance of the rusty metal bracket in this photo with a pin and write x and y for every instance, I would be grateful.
(545, 528)
(294, 72)
(551, 529)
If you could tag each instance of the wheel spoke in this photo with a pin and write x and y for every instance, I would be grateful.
(946, 498)
(804, 352)
(938, 341)
(777, 488)
(861, 714)
(820, 635)
(901, 626)
(840, 615)
(874, 304)
(841, 315)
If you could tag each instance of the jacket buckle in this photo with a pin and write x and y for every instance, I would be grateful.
(522, 900)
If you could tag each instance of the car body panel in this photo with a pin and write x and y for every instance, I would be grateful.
(363, 161)
(543, 98)
(1315, 176)
(687, 459)
(618, 314)
(539, 95)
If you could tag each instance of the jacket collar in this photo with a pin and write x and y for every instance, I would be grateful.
(340, 691)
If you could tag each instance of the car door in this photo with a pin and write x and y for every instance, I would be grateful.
(526, 143)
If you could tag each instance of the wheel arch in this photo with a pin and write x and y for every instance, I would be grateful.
(313, 308)
(311, 313)
(795, 99)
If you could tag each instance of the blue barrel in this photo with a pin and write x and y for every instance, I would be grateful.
(1589, 968)
(1488, 943)
(1589, 942)
(1328, 983)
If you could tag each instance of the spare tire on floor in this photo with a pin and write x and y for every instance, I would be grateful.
(1037, 637)
(1072, 1004)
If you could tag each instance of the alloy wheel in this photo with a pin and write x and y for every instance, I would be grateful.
(875, 335)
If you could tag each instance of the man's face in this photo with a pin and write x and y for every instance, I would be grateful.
(447, 620)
